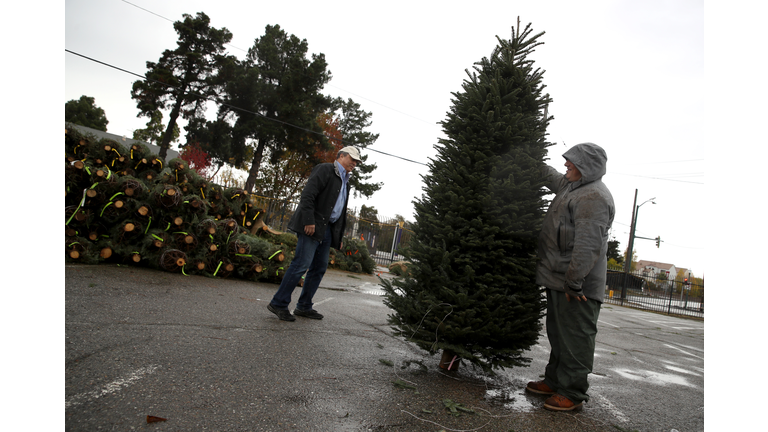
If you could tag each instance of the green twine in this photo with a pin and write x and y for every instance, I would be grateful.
(105, 207)
(273, 255)
(217, 268)
(82, 201)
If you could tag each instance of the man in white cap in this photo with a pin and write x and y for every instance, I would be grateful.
(319, 223)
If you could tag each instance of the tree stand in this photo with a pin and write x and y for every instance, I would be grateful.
(449, 361)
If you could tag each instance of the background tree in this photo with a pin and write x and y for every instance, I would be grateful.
(183, 78)
(613, 252)
(369, 213)
(473, 292)
(155, 130)
(215, 139)
(633, 262)
(286, 178)
(274, 97)
(352, 122)
(197, 158)
(280, 122)
(85, 113)
(614, 265)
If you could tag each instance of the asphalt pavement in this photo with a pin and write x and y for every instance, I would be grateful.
(148, 350)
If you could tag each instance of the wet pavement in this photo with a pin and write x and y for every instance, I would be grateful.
(204, 354)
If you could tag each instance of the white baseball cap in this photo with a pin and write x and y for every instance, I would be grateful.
(353, 151)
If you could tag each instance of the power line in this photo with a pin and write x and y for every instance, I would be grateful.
(170, 20)
(656, 178)
(662, 162)
(147, 10)
(329, 85)
(369, 100)
(232, 106)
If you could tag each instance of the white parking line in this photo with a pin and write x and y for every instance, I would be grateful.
(684, 352)
(607, 323)
(323, 301)
(110, 388)
(612, 409)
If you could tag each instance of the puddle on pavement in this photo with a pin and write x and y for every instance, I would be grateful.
(512, 399)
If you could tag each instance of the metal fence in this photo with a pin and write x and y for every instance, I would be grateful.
(656, 292)
(643, 290)
(383, 236)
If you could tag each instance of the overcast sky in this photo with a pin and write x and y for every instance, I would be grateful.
(626, 75)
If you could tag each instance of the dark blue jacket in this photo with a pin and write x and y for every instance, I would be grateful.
(316, 204)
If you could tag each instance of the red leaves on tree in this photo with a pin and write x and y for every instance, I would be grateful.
(331, 130)
(197, 158)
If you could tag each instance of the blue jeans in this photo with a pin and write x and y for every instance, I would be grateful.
(311, 257)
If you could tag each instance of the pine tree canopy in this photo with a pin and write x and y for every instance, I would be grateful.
(473, 290)
(85, 112)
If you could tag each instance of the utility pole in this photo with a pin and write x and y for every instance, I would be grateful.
(628, 256)
(628, 262)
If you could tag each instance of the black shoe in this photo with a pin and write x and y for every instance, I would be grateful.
(283, 314)
(308, 314)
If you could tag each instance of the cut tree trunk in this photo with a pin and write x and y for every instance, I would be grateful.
(449, 361)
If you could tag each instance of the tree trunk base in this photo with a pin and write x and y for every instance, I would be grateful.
(449, 361)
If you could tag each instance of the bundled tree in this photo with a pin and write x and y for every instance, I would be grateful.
(353, 256)
(85, 112)
(471, 290)
(183, 78)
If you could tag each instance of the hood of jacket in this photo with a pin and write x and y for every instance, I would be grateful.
(590, 159)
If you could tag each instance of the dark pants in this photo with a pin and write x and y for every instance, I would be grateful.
(311, 257)
(571, 328)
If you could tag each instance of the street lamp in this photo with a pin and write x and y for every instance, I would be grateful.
(630, 254)
(636, 210)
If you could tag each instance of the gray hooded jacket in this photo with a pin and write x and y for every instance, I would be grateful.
(573, 243)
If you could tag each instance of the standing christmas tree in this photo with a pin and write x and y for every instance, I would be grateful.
(472, 291)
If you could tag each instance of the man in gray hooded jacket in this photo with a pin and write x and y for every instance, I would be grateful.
(573, 245)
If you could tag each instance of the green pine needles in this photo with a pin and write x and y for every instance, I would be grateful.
(472, 289)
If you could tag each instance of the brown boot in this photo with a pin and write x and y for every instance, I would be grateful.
(540, 388)
(560, 403)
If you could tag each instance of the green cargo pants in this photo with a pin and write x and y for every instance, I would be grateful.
(571, 328)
